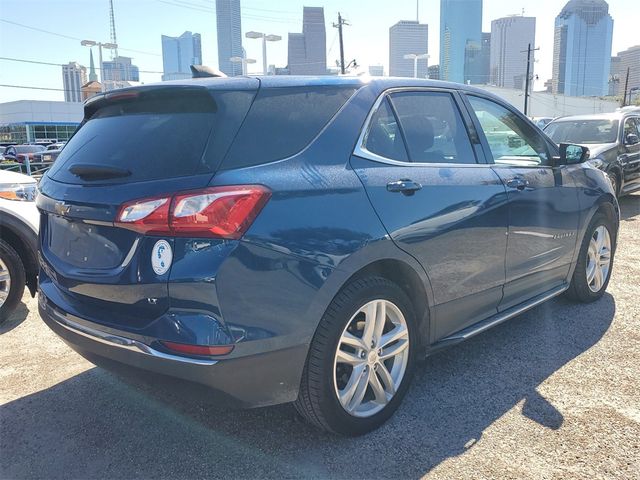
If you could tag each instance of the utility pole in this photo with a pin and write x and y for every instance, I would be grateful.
(626, 85)
(528, 77)
(339, 25)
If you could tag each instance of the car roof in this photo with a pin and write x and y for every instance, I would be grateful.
(618, 115)
(282, 81)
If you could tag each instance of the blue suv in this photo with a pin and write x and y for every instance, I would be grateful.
(307, 239)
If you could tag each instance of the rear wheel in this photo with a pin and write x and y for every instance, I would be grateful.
(361, 359)
(595, 261)
(12, 279)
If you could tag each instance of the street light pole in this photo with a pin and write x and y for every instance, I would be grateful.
(415, 57)
(265, 38)
(244, 62)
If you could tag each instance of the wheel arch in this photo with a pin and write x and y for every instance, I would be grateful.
(24, 241)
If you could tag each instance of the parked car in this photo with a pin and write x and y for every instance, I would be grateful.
(613, 140)
(19, 153)
(541, 122)
(19, 219)
(316, 237)
(50, 154)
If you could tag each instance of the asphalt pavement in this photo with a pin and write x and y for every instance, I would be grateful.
(551, 394)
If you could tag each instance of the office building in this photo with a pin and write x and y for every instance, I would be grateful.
(307, 51)
(405, 38)
(433, 72)
(582, 48)
(510, 38)
(629, 59)
(229, 29)
(476, 60)
(460, 36)
(179, 53)
(74, 76)
(120, 69)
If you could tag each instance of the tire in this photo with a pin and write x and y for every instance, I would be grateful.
(614, 178)
(580, 288)
(10, 264)
(324, 376)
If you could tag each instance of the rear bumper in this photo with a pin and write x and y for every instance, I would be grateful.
(254, 380)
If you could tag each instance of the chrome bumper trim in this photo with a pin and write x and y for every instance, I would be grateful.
(121, 342)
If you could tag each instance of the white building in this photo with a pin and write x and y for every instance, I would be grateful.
(510, 37)
(36, 120)
(408, 37)
(376, 70)
(74, 76)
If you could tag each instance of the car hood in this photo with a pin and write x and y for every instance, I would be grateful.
(599, 148)
(14, 177)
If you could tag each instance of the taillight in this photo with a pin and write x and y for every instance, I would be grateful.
(198, 349)
(221, 212)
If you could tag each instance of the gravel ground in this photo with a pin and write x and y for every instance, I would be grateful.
(552, 394)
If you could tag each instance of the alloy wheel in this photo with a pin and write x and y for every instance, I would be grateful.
(5, 282)
(371, 358)
(598, 258)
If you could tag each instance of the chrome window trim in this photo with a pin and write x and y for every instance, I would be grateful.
(361, 151)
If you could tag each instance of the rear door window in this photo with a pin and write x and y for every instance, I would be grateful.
(433, 127)
(156, 134)
(284, 120)
(384, 137)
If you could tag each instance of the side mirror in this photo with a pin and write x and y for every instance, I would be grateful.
(571, 154)
(631, 139)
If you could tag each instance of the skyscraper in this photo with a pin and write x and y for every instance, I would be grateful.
(582, 48)
(408, 37)
(307, 53)
(476, 60)
(229, 36)
(510, 37)
(179, 53)
(74, 76)
(460, 34)
(120, 69)
(629, 58)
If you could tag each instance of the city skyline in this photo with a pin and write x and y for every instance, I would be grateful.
(365, 39)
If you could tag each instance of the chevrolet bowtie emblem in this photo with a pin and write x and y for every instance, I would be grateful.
(62, 208)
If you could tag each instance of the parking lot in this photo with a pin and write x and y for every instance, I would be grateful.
(554, 393)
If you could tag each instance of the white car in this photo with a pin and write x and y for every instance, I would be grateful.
(19, 221)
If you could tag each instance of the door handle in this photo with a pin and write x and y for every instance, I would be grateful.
(406, 186)
(518, 183)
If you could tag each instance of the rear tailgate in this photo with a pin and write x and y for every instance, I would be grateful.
(132, 144)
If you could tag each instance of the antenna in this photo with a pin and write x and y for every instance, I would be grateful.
(417, 11)
(112, 21)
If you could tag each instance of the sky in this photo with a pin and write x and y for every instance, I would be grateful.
(140, 23)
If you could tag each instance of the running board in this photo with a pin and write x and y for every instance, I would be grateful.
(494, 320)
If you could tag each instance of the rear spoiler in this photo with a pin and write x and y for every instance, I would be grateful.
(202, 71)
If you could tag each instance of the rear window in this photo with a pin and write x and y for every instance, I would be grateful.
(156, 134)
(283, 121)
(29, 148)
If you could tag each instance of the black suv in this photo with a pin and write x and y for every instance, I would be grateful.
(613, 140)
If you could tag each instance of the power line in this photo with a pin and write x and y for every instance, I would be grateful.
(22, 60)
(36, 88)
(69, 37)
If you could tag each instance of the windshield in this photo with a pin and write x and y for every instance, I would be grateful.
(583, 131)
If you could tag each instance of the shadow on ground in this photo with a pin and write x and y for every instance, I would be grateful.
(18, 316)
(630, 208)
(95, 425)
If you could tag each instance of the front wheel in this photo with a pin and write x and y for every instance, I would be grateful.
(361, 358)
(12, 280)
(595, 261)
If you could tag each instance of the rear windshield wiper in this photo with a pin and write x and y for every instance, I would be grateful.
(88, 171)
